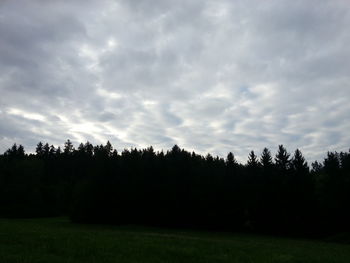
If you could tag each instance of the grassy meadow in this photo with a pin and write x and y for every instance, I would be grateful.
(57, 240)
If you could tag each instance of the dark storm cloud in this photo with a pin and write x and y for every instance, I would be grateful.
(211, 76)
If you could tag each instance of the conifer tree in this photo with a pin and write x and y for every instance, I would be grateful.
(231, 160)
(266, 158)
(299, 164)
(52, 151)
(282, 159)
(39, 149)
(252, 160)
(68, 148)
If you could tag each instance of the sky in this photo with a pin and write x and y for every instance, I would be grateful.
(210, 76)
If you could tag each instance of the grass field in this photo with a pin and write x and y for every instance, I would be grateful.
(57, 240)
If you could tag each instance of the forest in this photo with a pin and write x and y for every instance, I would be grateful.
(272, 193)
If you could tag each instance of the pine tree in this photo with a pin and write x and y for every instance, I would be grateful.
(58, 151)
(89, 148)
(39, 149)
(316, 167)
(68, 148)
(20, 152)
(252, 160)
(299, 164)
(231, 160)
(266, 158)
(15, 152)
(52, 151)
(46, 150)
(81, 149)
(282, 159)
(108, 148)
(332, 163)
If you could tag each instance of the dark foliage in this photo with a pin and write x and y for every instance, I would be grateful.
(177, 188)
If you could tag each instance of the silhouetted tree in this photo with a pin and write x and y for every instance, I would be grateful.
(316, 167)
(332, 163)
(266, 159)
(15, 152)
(96, 184)
(252, 160)
(299, 164)
(58, 151)
(282, 160)
(39, 149)
(52, 151)
(231, 160)
(46, 150)
(108, 148)
(68, 148)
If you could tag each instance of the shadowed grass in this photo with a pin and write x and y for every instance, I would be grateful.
(57, 240)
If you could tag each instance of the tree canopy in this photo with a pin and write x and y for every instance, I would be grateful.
(98, 184)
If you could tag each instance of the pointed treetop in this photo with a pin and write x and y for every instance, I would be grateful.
(252, 160)
(39, 149)
(266, 158)
(68, 147)
(282, 158)
(298, 162)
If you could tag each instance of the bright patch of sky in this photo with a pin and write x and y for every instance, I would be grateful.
(211, 76)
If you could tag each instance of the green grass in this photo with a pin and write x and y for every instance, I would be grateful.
(57, 240)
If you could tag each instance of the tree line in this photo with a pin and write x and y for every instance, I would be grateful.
(96, 184)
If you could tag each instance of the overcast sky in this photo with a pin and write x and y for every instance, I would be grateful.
(210, 76)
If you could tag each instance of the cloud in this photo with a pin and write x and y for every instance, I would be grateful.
(210, 76)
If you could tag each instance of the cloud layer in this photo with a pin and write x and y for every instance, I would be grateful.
(211, 76)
